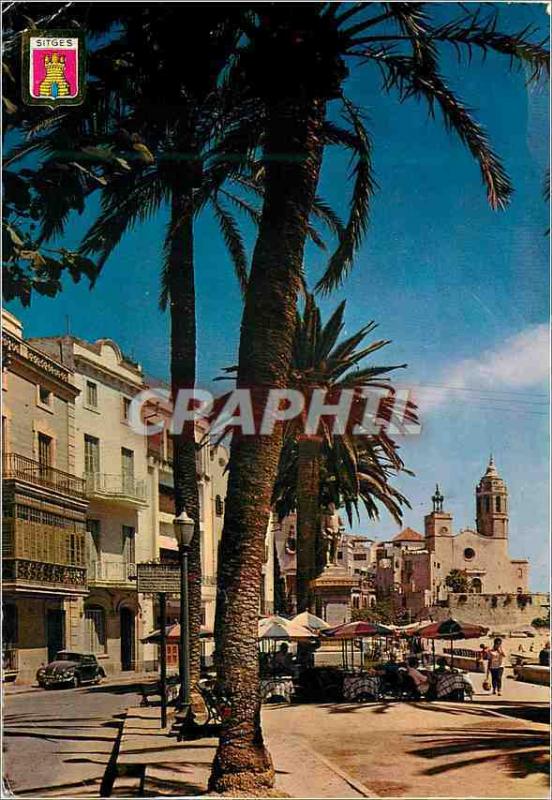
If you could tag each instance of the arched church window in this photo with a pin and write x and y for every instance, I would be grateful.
(498, 504)
(476, 585)
(487, 504)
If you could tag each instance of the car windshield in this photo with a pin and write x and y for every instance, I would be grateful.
(63, 656)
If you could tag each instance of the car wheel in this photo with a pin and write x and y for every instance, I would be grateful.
(98, 678)
(75, 682)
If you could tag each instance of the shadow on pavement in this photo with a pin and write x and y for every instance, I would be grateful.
(523, 751)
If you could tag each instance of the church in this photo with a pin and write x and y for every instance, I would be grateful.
(417, 566)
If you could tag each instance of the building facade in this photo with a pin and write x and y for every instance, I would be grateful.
(86, 497)
(112, 458)
(44, 568)
(418, 570)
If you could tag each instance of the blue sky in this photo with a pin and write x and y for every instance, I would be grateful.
(461, 290)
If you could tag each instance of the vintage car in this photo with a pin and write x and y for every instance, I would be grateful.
(70, 668)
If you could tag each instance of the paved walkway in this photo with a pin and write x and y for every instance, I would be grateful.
(152, 762)
(494, 747)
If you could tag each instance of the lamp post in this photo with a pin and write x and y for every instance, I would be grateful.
(184, 531)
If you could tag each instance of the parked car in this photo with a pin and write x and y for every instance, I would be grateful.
(70, 668)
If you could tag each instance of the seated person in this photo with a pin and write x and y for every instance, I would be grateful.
(442, 665)
(283, 661)
(421, 681)
(544, 655)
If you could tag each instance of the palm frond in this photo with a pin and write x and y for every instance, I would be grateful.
(233, 240)
(364, 186)
(405, 75)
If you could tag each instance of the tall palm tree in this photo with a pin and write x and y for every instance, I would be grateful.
(158, 131)
(323, 468)
(313, 46)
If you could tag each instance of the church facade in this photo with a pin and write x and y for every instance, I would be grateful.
(415, 568)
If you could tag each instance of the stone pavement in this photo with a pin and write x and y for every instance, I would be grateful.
(493, 747)
(152, 763)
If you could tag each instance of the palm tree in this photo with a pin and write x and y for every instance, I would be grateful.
(326, 469)
(156, 134)
(313, 46)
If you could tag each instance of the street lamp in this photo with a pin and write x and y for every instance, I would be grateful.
(184, 532)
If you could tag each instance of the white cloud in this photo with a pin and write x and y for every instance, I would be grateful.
(520, 363)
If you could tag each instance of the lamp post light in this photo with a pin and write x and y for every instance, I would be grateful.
(184, 532)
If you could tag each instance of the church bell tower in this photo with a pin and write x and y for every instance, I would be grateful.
(491, 497)
(438, 524)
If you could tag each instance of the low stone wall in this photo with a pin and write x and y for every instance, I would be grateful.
(533, 673)
(499, 612)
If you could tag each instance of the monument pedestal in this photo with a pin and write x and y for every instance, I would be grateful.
(332, 592)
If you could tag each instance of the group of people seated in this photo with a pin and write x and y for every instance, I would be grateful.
(423, 683)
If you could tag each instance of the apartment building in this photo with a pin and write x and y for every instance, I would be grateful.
(211, 465)
(112, 458)
(44, 569)
(86, 497)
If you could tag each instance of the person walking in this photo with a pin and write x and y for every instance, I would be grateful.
(495, 661)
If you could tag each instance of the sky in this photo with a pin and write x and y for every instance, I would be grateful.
(461, 290)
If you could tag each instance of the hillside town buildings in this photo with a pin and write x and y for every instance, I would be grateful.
(413, 572)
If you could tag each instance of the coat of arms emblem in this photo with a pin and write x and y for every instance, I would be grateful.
(53, 68)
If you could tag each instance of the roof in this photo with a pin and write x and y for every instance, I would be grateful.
(408, 535)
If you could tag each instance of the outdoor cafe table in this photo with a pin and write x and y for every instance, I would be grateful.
(276, 687)
(450, 682)
(355, 685)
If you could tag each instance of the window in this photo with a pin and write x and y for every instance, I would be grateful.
(4, 434)
(125, 408)
(219, 506)
(359, 557)
(498, 504)
(469, 553)
(203, 615)
(476, 585)
(44, 396)
(91, 454)
(129, 544)
(94, 621)
(91, 394)
(487, 504)
(44, 450)
(127, 469)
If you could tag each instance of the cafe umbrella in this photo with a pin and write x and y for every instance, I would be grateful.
(351, 631)
(451, 630)
(311, 621)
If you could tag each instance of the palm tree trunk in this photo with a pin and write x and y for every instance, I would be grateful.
(183, 375)
(308, 519)
(292, 157)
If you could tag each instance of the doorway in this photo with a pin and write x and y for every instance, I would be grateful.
(55, 632)
(127, 639)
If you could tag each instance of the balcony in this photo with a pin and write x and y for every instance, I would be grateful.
(18, 467)
(112, 573)
(115, 488)
(41, 557)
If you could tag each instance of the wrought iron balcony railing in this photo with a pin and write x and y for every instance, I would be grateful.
(115, 487)
(22, 468)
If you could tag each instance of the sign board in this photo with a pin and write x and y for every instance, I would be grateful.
(157, 578)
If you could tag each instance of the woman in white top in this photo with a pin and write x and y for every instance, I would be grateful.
(496, 656)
